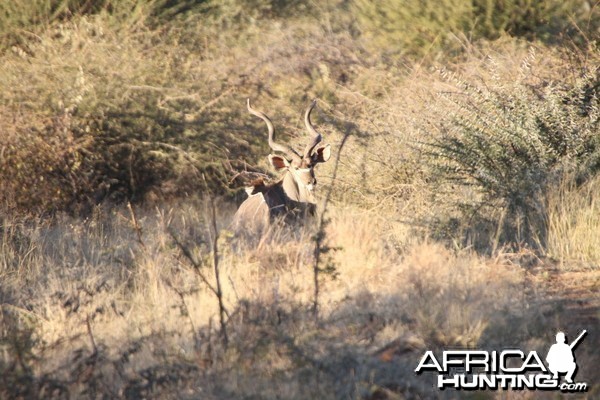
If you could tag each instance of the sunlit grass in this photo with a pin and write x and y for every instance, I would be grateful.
(574, 223)
(134, 300)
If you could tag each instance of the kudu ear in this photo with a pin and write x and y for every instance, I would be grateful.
(278, 162)
(256, 186)
(322, 154)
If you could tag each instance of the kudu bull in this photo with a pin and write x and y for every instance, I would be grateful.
(290, 199)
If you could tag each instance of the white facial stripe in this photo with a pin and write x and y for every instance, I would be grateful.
(305, 177)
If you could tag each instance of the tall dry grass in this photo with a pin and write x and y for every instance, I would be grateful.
(573, 219)
(90, 308)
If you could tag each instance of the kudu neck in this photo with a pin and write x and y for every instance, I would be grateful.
(295, 191)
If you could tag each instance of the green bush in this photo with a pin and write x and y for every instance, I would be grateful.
(92, 112)
(412, 27)
(419, 28)
(21, 22)
(95, 111)
(530, 19)
(512, 141)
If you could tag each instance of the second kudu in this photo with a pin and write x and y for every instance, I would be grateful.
(290, 199)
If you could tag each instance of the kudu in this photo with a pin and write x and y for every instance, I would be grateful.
(291, 199)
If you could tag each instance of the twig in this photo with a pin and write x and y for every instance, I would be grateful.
(219, 292)
(185, 309)
(136, 226)
(188, 254)
(91, 335)
(320, 236)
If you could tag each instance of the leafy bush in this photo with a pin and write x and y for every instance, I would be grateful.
(513, 141)
(418, 28)
(542, 20)
(22, 22)
(411, 27)
(77, 130)
(115, 111)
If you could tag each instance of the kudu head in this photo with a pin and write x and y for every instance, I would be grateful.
(299, 179)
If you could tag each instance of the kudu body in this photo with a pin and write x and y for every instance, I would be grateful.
(291, 199)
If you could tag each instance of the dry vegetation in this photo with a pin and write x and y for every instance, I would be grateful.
(464, 213)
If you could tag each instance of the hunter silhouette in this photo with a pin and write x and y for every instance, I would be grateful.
(560, 357)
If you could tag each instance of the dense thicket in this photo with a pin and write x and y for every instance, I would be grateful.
(133, 100)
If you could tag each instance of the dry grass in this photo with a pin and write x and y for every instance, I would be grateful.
(108, 313)
(573, 220)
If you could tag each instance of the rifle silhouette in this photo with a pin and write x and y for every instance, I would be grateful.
(574, 342)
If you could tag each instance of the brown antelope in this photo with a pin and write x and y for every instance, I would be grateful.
(290, 199)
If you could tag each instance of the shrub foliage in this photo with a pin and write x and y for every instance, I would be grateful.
(123, 100)
(513, 141)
